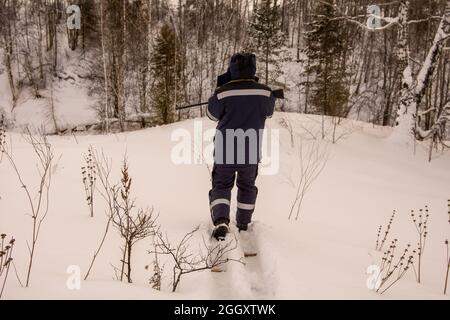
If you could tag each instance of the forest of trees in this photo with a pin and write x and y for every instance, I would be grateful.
(144, 57)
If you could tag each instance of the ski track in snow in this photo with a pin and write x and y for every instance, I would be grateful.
(219, 282)
(261, 270)
(251, 280)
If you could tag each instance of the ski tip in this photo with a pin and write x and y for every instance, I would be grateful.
(248, 255)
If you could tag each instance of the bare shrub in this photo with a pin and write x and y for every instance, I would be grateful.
(133, 225)
(312, 162)
(6, 252)
(285, 123)
(185, 261)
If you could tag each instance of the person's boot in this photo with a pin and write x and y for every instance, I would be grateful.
(242, 227)
(220, 231)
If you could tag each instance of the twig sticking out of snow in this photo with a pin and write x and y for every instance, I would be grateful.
(448, 267)
(448, 255)
(2, 136)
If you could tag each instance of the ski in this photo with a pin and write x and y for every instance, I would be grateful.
(247, 242)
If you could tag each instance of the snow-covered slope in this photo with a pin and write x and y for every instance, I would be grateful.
(72, 104)
(324, 254)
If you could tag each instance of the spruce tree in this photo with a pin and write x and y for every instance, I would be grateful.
(266, 37)
(324, 49)
(167, 70)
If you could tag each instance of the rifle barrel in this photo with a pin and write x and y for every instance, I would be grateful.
(279, 94)
(191, 106)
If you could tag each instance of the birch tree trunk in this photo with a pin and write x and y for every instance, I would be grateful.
(8, 53)
(105, 73)
(412, 92)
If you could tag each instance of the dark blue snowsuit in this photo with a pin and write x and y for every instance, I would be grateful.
(241, 108)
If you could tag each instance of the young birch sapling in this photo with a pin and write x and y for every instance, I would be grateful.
(40, 202)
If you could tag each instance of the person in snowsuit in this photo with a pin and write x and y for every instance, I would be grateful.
(241, 107)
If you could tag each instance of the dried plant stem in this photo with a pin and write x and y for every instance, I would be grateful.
(17, 274)
(390, 270)
(380, 245)
(448, 254)
(421, 224)
(89, 175)
(448, 269)
(6, 259)
(96, 253)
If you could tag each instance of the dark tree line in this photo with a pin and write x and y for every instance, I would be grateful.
(146, 56)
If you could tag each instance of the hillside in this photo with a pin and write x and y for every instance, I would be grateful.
(324, 254)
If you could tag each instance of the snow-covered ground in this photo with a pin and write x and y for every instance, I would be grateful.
(324, 254)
